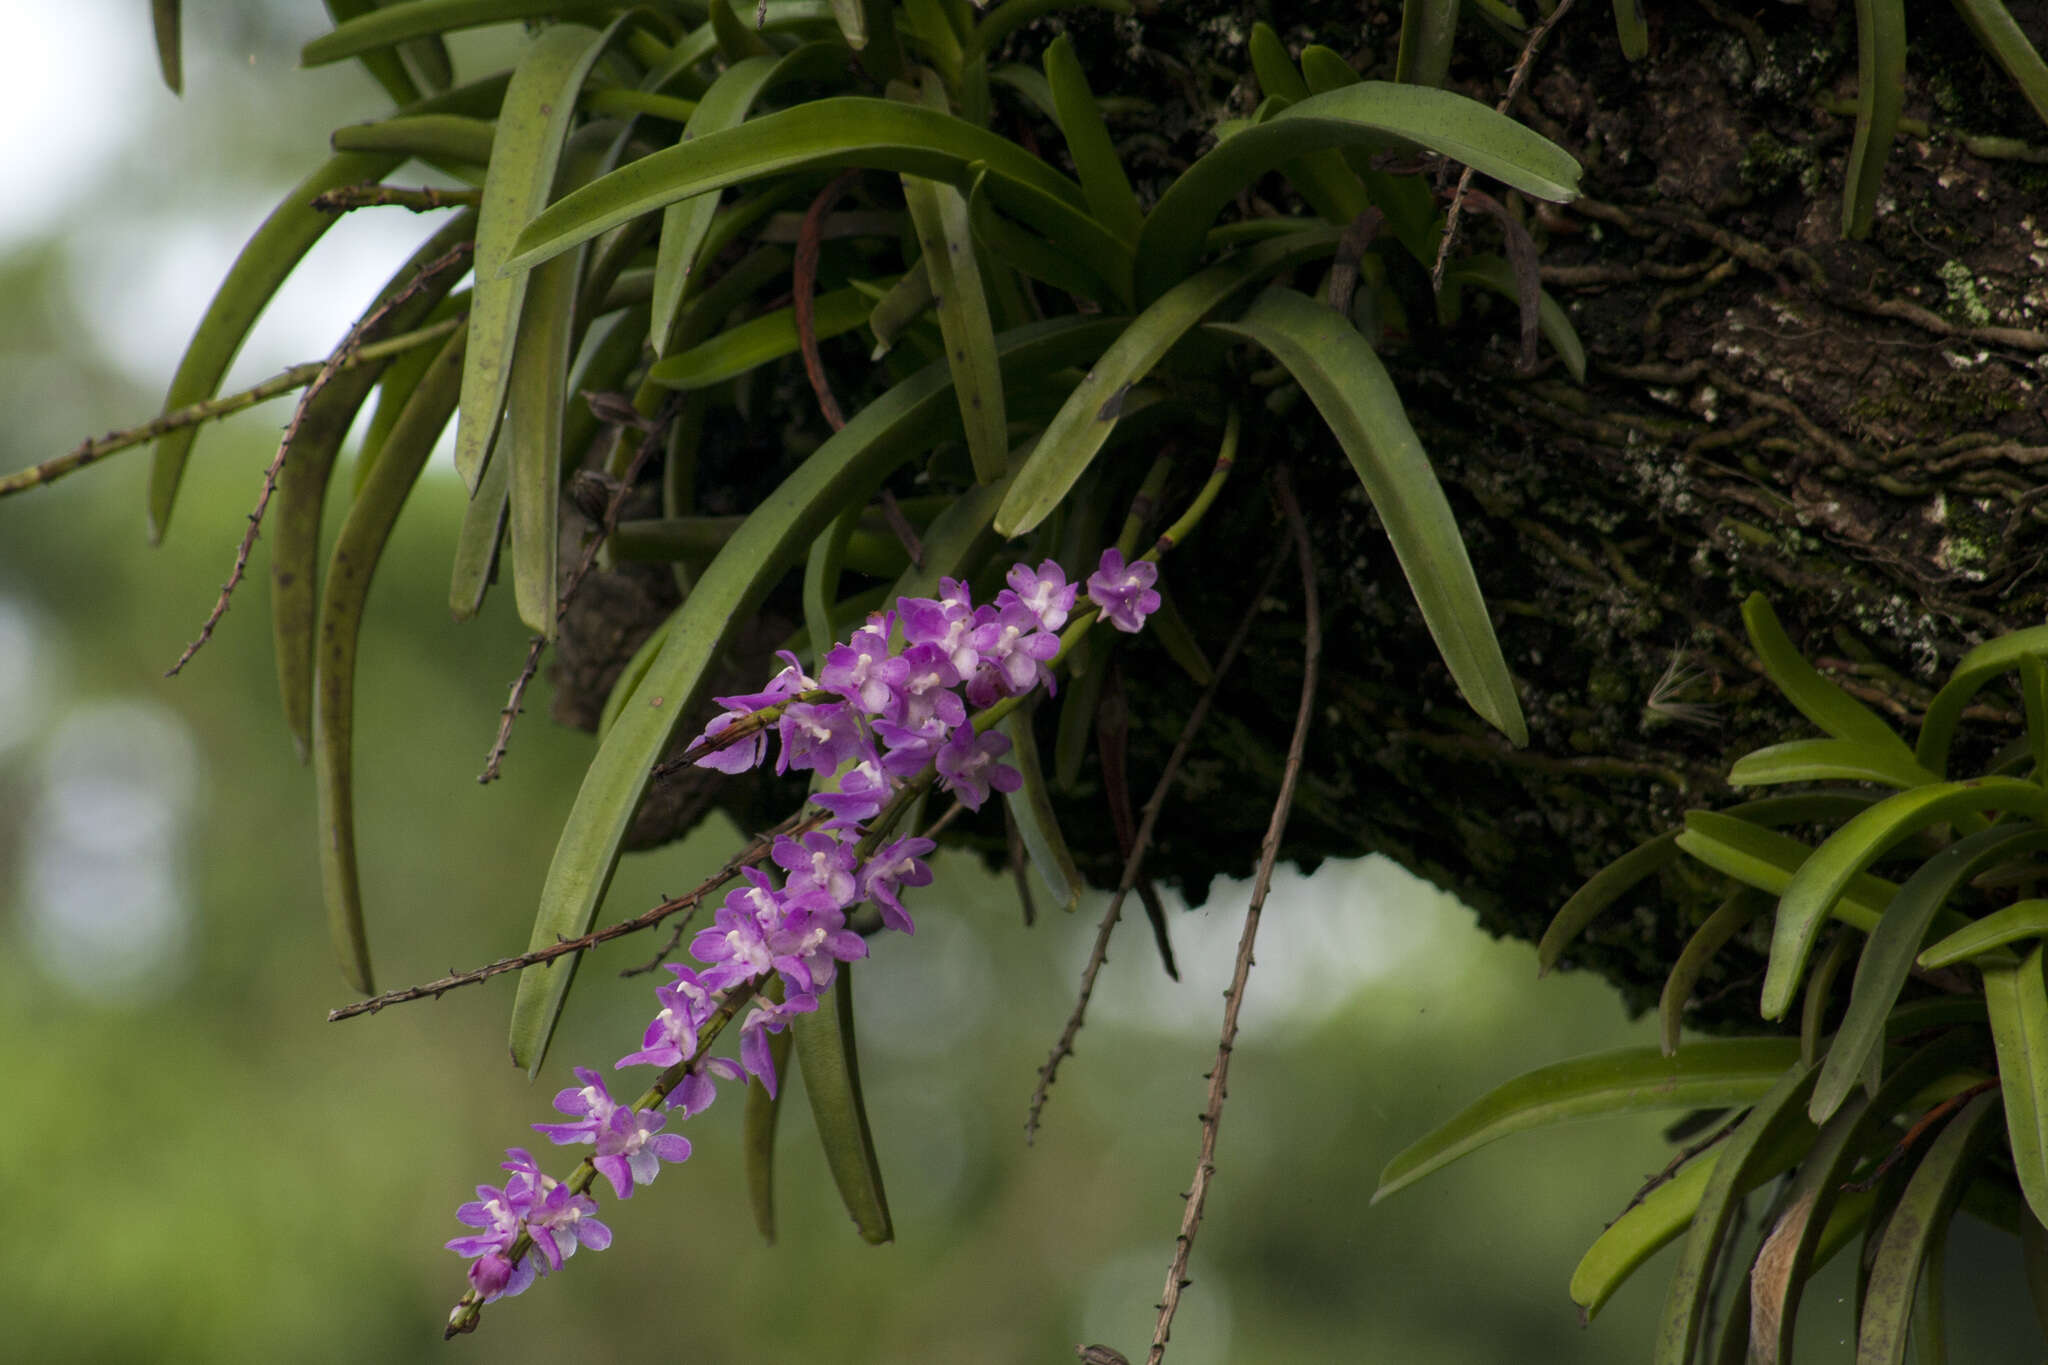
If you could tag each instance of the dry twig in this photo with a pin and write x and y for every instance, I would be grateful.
(1523, 64)
(1269, 854)
(652, 435)
(1099, 953)
(761, 846)
(333, 366)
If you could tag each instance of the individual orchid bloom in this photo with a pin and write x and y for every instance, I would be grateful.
(590, 1104)
(863, 790)
(865, 673)
(820, 737)
(1013, 654)
(1124, 591)
(1045, 593)
(765, 1018)
(672, 1037)
(695, 1091)
(631, 1148)
(945, 623)
(927, 687)
(968, 767)
(896, 864)
(819, 863)
(735, 947)
(910, 751)
(495, 1276)
(564, 1220)
(742, 755)
(812, 943)
(497, 1217)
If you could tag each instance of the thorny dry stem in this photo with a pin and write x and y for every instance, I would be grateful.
(1523, 65)
(652, 436)
(422, 200)
(1269, 854)
(98, 448)
(755, 851)
(1099, 953)
(331, 367)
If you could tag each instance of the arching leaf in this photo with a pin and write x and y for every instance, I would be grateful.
(1350, 387)
(1711, 1074)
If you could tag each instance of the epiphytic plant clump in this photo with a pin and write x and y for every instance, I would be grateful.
(669, 212)
(1923, 1092)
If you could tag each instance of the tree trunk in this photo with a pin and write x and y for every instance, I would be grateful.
(1848, 427)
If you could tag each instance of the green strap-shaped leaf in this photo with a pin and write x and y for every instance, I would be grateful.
(1823, 1175)
(2007, 42)
(1880, 94)
(819, 134)
(826, 1050)
(1768, 860)
(1820, 995)
(1349, 386)
(821, 584)
(1982, 664)
(1031, 806)
(1710, 938)
(1824, 877)
(440, 139)
(2034, 696)
(1367, 114)
(383, 64)
(1103, 181)
(476, 544)
(1711, 1074)
(687, 223)
(1494, 273)
(270, 255)
(1828, 760)
(2020, 920)
(1735, 1173)
(532, 127)
(1603, 889)
(1076, 435)
(1819, 700)
(537, 393)
(1062, 266)
(758, 341)
(382, 28)
(1633, 29)
(1916, 1228)
(846, 468)
(2018, 1005)
(763, 1116)
(939, 213)
(1407, 200)
(1641, 1232)
(736, 41)
(1428, 28)
(354, 559)
(1615, 880)
(1889, 955)
(165, 18)
(295, 513)
(905, 301)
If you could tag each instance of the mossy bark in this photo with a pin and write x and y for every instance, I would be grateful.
(1849, 427)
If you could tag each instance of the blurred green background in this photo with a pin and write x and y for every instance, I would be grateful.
(198, 1167)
